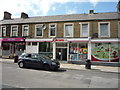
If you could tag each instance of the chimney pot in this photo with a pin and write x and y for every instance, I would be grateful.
(91, 12)
(7, 15)
(24, 15)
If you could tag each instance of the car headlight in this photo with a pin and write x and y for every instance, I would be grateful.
(53, 63)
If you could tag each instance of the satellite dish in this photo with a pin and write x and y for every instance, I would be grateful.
(44, 26)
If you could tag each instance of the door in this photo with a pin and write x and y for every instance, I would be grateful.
(61, 54)
(36, 61)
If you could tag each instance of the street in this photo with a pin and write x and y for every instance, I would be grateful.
(15, 77)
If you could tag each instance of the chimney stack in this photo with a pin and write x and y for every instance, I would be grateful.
(91, 12)
(7, 15)
(24, 15)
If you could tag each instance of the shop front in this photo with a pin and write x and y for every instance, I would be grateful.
(105, 50)
(78, 49)
(41, 46)
(12, 47)
(75, 49)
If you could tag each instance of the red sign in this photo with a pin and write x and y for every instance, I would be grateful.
(58, 40)
(13, 39)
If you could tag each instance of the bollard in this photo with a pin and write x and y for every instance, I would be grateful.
(16, 59)
(88, 64)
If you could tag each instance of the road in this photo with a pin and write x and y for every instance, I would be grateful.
(15, 77)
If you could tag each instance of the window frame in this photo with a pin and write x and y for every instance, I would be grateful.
(2, 31)
(88, 23)
(99, 34)
(72, 29)
(36, 30)
(50, 29)
(118, 29)
(12, 30)
(23, 30)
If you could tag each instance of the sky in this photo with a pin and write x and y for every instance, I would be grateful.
(55, 7)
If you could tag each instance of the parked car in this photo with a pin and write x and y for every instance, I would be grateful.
(37, 61)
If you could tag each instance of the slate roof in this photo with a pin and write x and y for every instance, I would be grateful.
(63, 18)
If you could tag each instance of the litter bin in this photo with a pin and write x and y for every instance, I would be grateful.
(88, 64)
(16, 59)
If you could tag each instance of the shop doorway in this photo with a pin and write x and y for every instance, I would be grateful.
(61, 54)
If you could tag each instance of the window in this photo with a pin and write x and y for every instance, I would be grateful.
(25, 30)
(119, 29)
(39, 30)
(84, 29)
(44, 47)
(3, 31)
(34, 43)
(52, 31)
(14, 30)
(104, 29)
(68, 31)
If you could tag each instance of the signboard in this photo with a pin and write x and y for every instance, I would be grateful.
(12, 39)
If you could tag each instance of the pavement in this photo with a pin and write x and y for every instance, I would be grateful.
(77, 67)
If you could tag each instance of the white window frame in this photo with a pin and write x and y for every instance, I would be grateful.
(99, 29)
(82, 30)
(72, 29)
(36, 30)
(23, 30)
(12, 30)
(50, 29)
(2, 31)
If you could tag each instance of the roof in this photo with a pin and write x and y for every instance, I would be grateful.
(63, 18)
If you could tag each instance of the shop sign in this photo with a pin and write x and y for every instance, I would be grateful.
(12, 39)
(60, 40)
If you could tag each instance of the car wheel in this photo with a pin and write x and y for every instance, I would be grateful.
(46, 67)
(21, 65)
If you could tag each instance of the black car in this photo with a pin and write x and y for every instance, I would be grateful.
(37, 61)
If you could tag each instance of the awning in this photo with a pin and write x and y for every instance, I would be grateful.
(39, 40)
(78, 40)
(105, 40)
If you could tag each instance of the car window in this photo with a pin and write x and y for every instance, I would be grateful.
(28, 56)
(34, 56)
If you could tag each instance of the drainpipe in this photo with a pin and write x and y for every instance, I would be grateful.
(89, 49)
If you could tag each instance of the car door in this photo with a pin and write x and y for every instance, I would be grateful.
(28, 60)
(36, 61)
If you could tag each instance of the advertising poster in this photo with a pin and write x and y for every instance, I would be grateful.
(106, 52)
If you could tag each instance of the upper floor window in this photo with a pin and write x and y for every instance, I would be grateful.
(3, 31)
(14, 30)
(84, 29)
(39, 30)
(104, 29)
(25, 30)
(68, 30)
(52, 32)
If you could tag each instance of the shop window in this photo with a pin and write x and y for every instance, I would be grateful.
(104, 29)
(78, 51)
(25, 30)
(28, 43)
(52, 31)
(14, 30)
(34, 43)
(68, 31)
(44, 47)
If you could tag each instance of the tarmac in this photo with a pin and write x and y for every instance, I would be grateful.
(66, 65)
